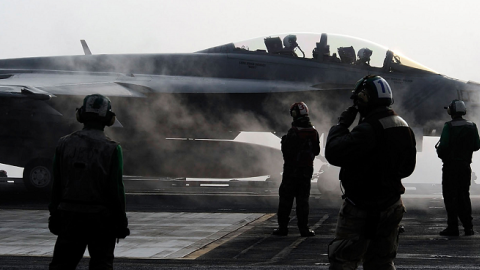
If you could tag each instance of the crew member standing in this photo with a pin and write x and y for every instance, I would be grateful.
(88, 197)
(457, 143)
(299, 148)
(374, 156)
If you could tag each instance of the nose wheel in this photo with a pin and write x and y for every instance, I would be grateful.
(37, 175)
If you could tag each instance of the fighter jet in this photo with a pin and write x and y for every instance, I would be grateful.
(179, 114)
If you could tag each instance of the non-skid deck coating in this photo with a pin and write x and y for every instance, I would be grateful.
(215, 231)
(160, 235)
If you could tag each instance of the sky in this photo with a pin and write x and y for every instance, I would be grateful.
(442, 35)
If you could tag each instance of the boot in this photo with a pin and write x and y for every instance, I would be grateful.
(450, 232)
(280, 231)
(307, 232)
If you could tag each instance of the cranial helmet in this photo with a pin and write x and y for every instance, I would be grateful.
(298, 109)
(372, 90)
(96, 108)
(456, 107)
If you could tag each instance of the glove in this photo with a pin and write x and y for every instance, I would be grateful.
(121, 226)
(348, 116)
(122, 233)
(54, 223)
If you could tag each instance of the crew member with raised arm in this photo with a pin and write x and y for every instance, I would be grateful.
(374, 157)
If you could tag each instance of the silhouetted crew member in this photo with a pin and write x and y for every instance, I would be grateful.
(374, 156)
(88, 197)
(457, 143)
(299, 148)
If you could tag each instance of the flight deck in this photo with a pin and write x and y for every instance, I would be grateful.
(218, 230)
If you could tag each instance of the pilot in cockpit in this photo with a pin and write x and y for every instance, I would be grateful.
(290, 43)
(364, 57)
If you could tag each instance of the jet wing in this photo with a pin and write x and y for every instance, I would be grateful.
(208, 85)
(43, 84)
(19, 91)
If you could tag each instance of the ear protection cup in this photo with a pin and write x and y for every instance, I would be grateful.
(452, 108)
(298, 109)
(372, 90)
(360, 90)
(96, 108)
(293, 113)
(110, 118)
(456, 107)
(362, 97)
(78, 114)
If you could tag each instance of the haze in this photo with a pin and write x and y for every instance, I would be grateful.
(437, 34)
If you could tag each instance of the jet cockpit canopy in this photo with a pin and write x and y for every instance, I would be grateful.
(328, 48)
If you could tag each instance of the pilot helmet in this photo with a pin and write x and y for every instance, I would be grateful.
(290, 41)
(298, 109)
(456, 107)
(96, 108)
(372, 90)
(364, 53)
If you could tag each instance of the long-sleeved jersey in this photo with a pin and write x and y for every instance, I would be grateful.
(458, 141)
(373, 157)
(300, 145)
(88, 171)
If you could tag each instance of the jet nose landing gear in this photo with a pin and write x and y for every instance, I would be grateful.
(37, 175)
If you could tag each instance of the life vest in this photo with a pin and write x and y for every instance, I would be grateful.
(85, 162)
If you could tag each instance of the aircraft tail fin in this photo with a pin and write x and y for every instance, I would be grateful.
(86, 50)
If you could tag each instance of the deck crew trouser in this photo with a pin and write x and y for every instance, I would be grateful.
(351, 245)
